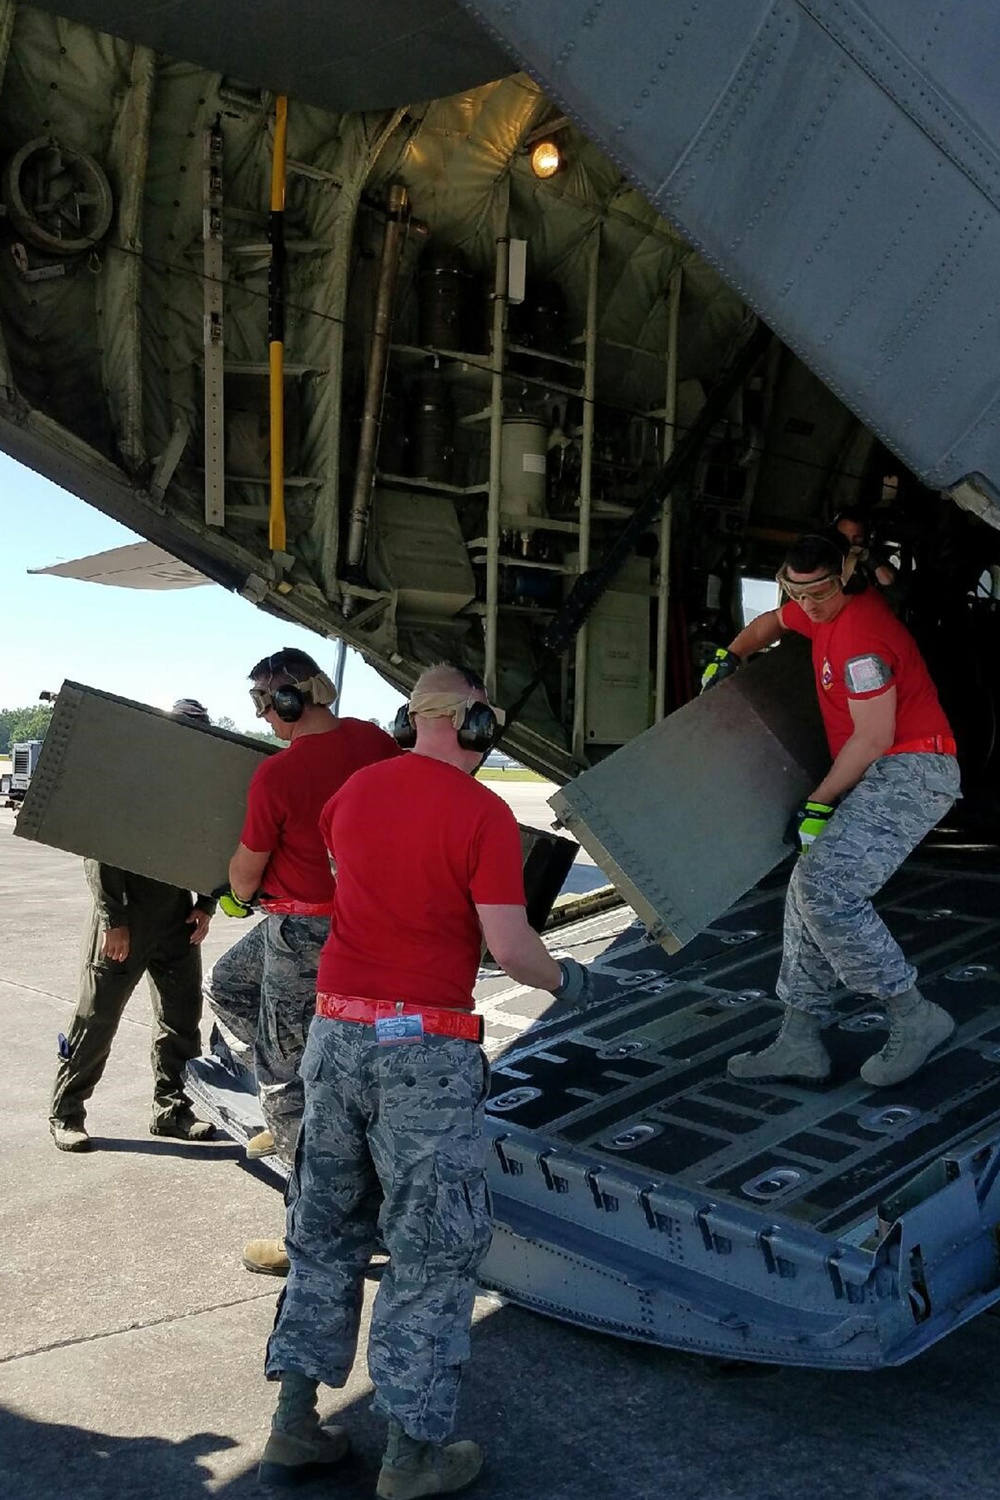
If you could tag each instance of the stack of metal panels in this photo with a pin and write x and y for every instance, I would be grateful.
(134, 787)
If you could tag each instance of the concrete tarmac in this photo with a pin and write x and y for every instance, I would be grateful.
(131, 1338)
(528, 800)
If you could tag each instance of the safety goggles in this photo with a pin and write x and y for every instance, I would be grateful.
(261, 700)
(816, 591)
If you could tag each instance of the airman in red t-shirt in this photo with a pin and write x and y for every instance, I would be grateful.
(894, 776)
(428, 862)
(264, 989)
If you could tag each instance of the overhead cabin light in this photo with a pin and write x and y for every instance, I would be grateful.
(546, 159)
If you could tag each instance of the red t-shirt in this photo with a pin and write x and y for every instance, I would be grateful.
(861, 653)
(286, 796)
(418, 844)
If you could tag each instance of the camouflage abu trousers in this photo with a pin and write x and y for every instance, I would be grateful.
(391, 1143)
(832, 932)
(264, 992)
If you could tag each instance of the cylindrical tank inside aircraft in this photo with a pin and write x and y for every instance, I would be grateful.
(523, 449)
(445, 288)
(433, 429)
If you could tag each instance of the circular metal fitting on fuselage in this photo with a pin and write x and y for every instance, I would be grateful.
(57, 198)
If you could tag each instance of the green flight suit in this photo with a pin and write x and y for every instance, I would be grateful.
(160, 946)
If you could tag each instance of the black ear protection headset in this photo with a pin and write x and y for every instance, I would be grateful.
(403, 728)
(477, 731)
(289, 702)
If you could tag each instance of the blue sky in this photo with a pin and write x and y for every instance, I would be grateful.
(153, 647)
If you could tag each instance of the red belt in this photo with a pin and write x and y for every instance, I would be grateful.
(277, 906)
(934, 744)
(437, 1020)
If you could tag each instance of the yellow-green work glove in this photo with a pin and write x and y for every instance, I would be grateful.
(809, 822)
(230, 904)
(723, 664)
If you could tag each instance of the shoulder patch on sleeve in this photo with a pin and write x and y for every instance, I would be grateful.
(867, 674)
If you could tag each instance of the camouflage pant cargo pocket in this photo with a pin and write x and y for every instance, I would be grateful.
(487, 1080)
(460, 1227)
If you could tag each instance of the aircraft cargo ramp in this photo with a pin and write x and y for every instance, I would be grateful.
(639, 1191)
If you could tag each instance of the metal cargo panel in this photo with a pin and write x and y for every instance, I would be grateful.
(693, 813)
(126, 784)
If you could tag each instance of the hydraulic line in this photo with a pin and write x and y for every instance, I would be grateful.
(276, 327)
(364, 478)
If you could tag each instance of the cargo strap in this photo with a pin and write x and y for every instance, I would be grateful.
(438, 1020)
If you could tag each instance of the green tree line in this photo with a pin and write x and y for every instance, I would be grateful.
(17, 724)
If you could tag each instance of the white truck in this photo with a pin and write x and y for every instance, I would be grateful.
(24, 759)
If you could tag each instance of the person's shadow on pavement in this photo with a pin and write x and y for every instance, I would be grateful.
(49, 1460)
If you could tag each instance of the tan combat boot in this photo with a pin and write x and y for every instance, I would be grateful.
(261, 1144)
(411, 1468)
(796, 1054)
(266, 1257)
(299, 1446)
(183, 1125)
(70, 1135)
(917, 1027)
